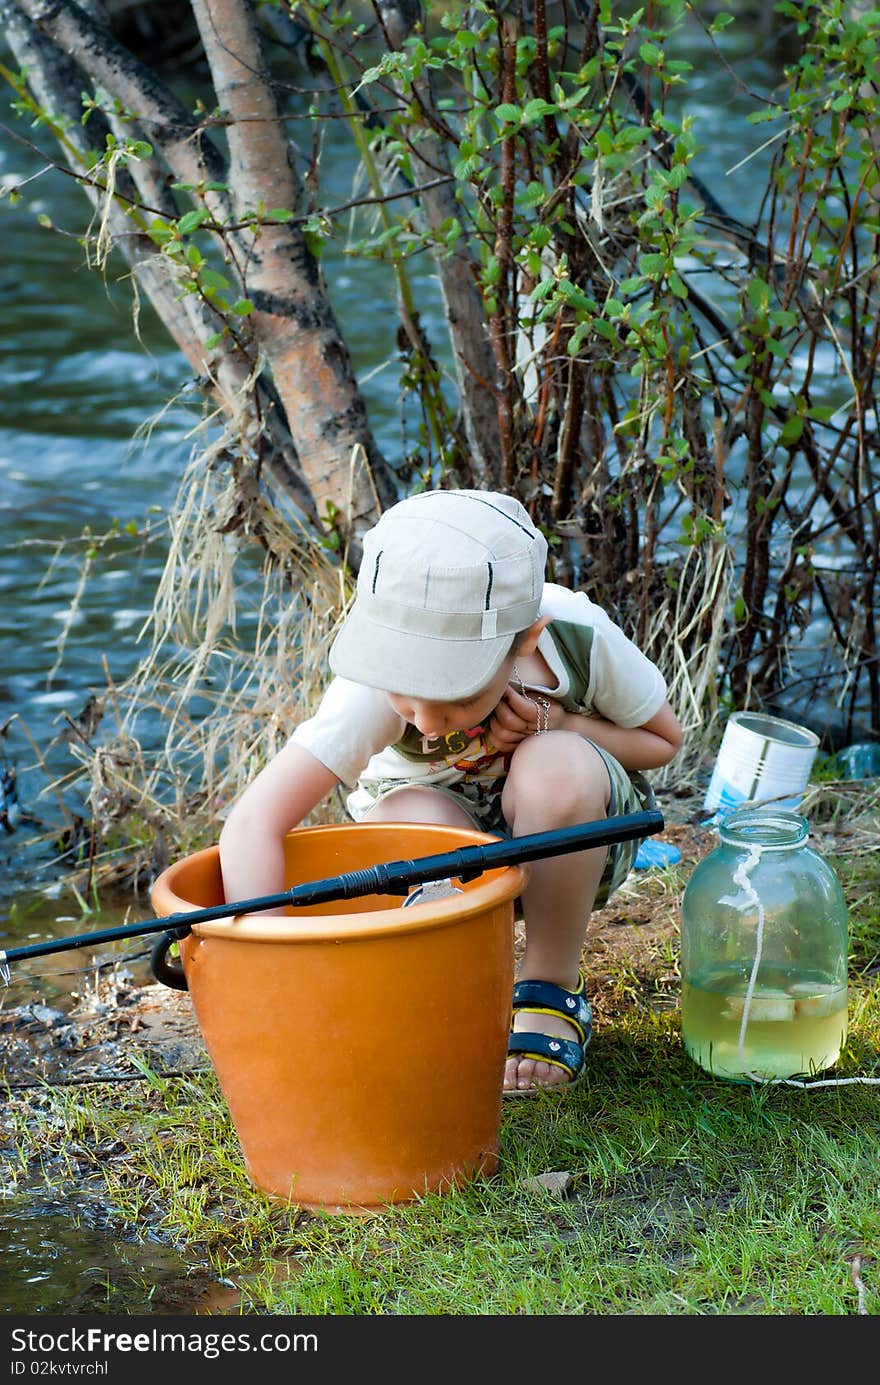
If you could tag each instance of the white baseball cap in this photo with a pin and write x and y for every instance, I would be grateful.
(446, 580)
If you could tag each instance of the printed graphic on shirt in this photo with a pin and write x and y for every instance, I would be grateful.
(470, 752)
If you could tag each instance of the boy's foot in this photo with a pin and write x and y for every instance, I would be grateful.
(520, 1072)
(553, 1028)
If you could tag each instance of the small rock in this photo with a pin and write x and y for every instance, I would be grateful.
(43, 1014)
(558, 1182)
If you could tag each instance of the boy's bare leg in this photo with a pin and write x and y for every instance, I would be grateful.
(419, 804)
(555, 780)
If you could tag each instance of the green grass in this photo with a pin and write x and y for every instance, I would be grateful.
(687, 1195)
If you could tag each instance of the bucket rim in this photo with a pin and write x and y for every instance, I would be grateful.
(494, 888)
(806, 739)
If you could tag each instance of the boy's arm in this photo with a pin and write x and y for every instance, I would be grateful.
(251, 842)
(648, 746)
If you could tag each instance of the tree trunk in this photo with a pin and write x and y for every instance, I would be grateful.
(313, 410)
(293, 319)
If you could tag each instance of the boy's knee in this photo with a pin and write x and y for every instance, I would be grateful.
(559, 775)
(418, 803)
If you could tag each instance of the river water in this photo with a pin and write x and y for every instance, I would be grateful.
(89, 445)
(88, 442)
(78, 392)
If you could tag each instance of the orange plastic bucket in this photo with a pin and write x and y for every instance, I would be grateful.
(359, 1046)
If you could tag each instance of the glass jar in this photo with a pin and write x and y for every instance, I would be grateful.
(764, 952)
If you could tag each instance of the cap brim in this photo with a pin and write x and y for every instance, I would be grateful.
(436, 669)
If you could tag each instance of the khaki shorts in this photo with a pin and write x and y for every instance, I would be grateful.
(630, 793)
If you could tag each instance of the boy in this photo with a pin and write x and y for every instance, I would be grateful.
(470, 692)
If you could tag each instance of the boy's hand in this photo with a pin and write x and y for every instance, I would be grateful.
(516, 717)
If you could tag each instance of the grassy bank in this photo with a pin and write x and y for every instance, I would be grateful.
(676, 1194)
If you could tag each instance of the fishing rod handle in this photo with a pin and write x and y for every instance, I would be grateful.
(396, 877)
(464, 863)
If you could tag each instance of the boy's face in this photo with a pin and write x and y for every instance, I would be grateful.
(434, 719)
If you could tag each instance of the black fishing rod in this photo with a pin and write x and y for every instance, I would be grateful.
(394, 877)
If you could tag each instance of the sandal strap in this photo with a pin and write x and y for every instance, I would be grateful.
(545, 998)
(561, 1053)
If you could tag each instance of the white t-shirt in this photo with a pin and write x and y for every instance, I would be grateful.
(359, 737)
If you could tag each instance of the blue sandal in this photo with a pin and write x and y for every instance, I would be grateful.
(544, 998)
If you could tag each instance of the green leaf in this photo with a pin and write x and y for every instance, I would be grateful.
(191, 221)
(792, 430)
(509, 115)
(574, 296)
(211, 279)
(531, 196)
(542, 289)
(463, 168)
(653, 265)
(536, 109)
(575, 101)
(759, 295)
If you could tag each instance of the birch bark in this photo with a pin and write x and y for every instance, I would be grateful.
(324, 453)
(55, 82)
(293, 317)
